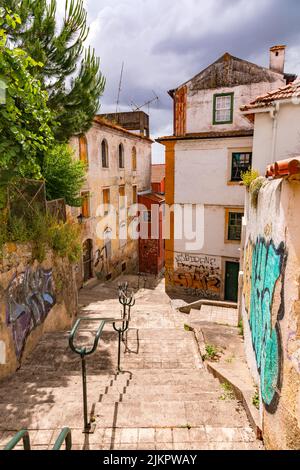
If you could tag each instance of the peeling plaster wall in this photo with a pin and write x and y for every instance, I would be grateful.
(199, 114)
(35, 298)
(99, 178)
(270, 307)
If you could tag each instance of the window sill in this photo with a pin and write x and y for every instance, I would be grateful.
(234, 183)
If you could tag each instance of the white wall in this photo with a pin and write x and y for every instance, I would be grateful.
(214, 235)
(200, 106)
(203, 169)
(287, 141)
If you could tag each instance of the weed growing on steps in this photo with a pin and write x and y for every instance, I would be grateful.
(212, 353)
(255, 400)
(228, 393)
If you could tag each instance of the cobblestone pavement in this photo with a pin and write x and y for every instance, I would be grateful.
(164, 399)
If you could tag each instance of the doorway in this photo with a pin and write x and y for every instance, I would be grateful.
(231, 281)
(87, 260)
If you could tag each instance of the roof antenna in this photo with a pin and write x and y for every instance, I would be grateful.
(135, 107)
(120, 88)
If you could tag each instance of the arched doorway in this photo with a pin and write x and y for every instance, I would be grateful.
(87, 249)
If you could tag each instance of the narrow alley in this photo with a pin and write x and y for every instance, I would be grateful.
(163, 399)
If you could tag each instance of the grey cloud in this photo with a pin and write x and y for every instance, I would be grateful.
(164, 43)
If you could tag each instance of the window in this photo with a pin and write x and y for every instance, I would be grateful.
(234, 226)
(83, 149)
(107, 237)
(122, 234)
(147, 216)
(121, 156)
(104, 154)
(134, 194)
(106, 200)
(133, 158)
(85, 204)
(122, 197)
(223, 108)
(241, 162)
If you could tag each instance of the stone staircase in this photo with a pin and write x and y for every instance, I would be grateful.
(164, 399)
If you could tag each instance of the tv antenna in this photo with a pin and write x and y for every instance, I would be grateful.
(120, 88)
(136, 107)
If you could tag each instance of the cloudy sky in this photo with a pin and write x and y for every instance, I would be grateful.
(165, 42)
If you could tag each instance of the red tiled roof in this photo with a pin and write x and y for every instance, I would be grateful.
(283, 168)
(105, 122)
(153, 197)
(208, 135)
(158, 173)
(292, 90)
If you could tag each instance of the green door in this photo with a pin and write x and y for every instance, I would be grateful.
(231, 281)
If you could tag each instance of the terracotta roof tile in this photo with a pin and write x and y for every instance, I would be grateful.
(209, 135)
(292, 90)
(158, 173)
(284, 168)
(105, 122)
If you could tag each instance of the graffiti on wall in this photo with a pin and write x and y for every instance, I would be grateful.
(30, 297)
(198, 274)
(264, 302)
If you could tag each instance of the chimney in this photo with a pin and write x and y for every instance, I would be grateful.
(277, 58)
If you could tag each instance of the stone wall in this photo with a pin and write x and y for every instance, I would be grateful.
(270, 307)
(35, 298)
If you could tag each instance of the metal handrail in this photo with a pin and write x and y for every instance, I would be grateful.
(24, 435)
(64, 436)
(83, 352)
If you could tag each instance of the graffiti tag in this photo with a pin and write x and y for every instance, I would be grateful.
(30, 297)
(264, 268)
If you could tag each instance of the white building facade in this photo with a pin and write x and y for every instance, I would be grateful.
(118, 168)
(211, 146)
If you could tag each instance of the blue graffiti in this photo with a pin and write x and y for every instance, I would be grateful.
(267, 268)
(30, 297)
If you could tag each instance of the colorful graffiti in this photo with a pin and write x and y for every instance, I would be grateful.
(264, 271)
(198, 274)
(30, 297)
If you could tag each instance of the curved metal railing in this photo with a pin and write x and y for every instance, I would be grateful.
(127, 301)
(65, 436)
(21, 435)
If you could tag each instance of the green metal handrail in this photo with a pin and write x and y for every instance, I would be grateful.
(21, 435)
(83, 352)
(64, 436)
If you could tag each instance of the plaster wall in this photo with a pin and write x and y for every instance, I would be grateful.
(35, 298)
(271, 309)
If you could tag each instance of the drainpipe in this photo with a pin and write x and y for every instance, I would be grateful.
(274, 115)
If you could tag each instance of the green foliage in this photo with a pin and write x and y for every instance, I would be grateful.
(44, 232)
(71, 75)
(212, 352)
(255, 187)
(249, 176)
(64, 176)
(25, 120)
(27, 145)
(65, 240)
(228, 393)
(188, 328)
(255, 400)
(241, 328)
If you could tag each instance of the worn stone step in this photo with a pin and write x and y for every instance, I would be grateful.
(138, 414)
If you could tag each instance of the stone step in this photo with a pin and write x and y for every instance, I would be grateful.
(161, 378)
(144, 414)
(131, 396)
(171, 413)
